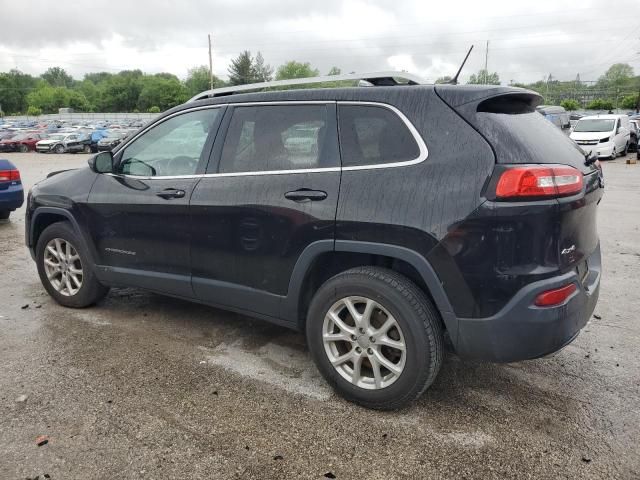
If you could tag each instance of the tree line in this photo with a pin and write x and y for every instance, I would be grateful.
(135, 91)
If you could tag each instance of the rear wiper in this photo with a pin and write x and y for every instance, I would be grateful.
(590, 158)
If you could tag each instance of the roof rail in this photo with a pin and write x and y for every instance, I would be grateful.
(372, 79)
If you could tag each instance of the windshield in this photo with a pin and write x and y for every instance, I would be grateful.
(594, 125)
(56, 137)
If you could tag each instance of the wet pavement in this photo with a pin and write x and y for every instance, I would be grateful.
(143, 386)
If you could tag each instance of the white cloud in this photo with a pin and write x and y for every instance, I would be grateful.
(430, 39)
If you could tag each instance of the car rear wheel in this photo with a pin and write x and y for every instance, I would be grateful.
(23, 149)
(64, 268)
(87, 149)
(4, 214)
(59, 149)
(375, 337)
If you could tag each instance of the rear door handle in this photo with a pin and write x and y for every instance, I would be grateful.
(169, 193)
(306, 195)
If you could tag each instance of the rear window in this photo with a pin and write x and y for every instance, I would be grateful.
(528, 138)
(372, 135)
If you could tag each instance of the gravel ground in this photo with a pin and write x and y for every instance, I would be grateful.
(143, 386)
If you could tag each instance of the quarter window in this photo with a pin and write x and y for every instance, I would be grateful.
(371, 135)
(275, 138)
(173, 147)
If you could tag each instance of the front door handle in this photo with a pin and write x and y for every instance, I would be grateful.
(169, 193)
(306, 195)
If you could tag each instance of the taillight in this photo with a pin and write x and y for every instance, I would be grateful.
(537, 181)
(9, 176)
(556, 296)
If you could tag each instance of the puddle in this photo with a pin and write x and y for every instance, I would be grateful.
(276, 365)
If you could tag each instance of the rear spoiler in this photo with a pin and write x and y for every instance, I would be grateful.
(489, 97)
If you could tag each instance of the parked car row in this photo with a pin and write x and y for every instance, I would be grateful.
(58, 137)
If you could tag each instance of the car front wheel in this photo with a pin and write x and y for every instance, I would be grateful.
(64, 268)
(375, 337)
(4, 214)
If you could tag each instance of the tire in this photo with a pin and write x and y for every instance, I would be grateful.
(59, 149)
(4, 214)
(626, 150)
(614, 154)
(90, 290)
(417, 326)
(23, 149)
(87, 149)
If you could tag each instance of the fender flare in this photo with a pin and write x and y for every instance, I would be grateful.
(420, 263)
(69, 216)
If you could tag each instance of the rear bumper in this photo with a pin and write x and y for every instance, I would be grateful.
(522, 331)
(11, 198)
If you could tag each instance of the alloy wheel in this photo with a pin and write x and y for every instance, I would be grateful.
(63, 267)
(364, 342)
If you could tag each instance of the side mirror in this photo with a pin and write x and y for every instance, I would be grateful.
(102, 162)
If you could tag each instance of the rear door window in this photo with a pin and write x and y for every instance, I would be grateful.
(266, 138)
(374, 135)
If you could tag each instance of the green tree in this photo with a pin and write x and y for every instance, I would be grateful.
(570, 104)
(295, 69)
(57, 77)
(198, 80)
(14, 88)
(162, 91)
(484, 78)
(154, 109)
(98, 77)
(121, 92)
(630, 102)
(445, 79)
(49, 99)
(263, 72)
(241, 70)
(618, 75)
(34, 111)
(334, 71)
(600, 104)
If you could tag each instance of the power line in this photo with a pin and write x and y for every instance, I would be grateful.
(424, 23)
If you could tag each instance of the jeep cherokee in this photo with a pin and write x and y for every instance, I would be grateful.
(377, 220)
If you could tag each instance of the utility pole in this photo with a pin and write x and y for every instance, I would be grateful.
(210, 64)
(547, 94)
(486, 60)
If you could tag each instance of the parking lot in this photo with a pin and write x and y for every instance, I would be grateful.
(143, 386)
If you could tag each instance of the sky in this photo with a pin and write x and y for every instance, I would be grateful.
(527, 40)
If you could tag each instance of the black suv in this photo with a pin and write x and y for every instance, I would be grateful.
(378, 220)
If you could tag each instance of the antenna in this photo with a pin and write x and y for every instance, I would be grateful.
(454, 80)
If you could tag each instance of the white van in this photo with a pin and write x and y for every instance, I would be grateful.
(606, 135)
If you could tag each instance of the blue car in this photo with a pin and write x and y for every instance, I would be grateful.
(11, 192)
